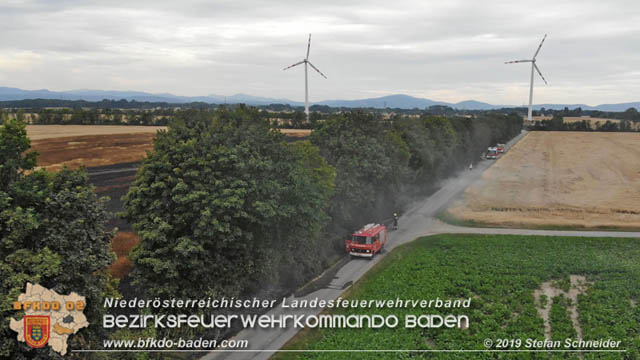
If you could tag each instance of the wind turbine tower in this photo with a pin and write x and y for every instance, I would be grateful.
(533, 66)
(306, 63)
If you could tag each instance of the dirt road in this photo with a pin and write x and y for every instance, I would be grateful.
(418, 221)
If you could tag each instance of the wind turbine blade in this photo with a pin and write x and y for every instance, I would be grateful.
(539, 46)
(539, 73)
(316, 69)
(517, 61)
(296, 64)
(308, 47)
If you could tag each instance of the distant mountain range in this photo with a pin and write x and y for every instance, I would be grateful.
(7, 93)
(391, 101)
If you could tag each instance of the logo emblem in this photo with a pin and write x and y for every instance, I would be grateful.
(36, 330)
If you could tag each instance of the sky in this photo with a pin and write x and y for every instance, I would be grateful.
(442, 50)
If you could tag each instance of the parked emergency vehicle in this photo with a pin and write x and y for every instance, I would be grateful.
(492, 153)
(367, 241)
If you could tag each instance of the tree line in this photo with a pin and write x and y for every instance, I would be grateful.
(557, 123)
(125, 112)
(630, 114)
(382, 164)
(145, 116)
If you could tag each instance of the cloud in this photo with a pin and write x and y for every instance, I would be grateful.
(19, 61)
(447, 50)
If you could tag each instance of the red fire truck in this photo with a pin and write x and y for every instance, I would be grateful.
(492, 153)
(367, 241)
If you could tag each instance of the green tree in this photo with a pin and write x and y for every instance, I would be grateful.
(305, 248)
(631, 114)
(13, 144)
(557, 122)
(218, 199)
(52, 233)
(357, 145)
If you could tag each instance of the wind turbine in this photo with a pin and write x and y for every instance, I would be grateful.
(533, 66)
(306, 62)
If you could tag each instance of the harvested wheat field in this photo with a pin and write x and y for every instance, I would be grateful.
(298, 133)
(38, 132)
(559, 179)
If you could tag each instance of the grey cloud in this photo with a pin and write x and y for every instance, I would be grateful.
(453, 49)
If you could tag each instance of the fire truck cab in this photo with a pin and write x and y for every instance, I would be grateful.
(492, 153)
(367, 241)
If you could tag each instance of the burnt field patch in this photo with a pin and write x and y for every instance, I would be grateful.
(92, 150)
(98, 150)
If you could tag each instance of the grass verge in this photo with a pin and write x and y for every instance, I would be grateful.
(448, 218)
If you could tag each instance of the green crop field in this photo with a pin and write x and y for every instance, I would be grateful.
(500, 274)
